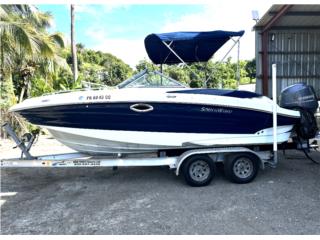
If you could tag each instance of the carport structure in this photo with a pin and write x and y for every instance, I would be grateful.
(288, 35)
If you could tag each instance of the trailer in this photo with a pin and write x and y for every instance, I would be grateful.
(241, 164)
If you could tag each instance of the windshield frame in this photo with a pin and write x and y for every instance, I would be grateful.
(130, 82)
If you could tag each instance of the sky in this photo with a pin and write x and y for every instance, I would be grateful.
(120, 28)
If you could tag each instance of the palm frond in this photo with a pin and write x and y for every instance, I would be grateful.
(18, 34)
(3, 12)
(19, 9)
(29, 13)
(47, 48)
(62, 63)
(26, 43)
(58, 38)
(44, 20)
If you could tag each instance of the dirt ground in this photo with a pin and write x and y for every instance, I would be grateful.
(152, 200)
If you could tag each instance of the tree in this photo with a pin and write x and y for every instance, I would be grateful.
(251, 69)
(178, 73)
(145, 64)
(26, 47)
(95, 67)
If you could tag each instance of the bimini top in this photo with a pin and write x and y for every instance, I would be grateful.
(189, 46)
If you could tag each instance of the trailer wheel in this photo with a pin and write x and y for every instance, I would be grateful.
(241, 167)
(198, 170)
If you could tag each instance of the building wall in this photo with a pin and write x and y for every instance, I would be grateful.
(297, 55)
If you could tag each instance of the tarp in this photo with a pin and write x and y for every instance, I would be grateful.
(189, 46)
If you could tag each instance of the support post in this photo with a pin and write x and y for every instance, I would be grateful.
(235, 42)
(182, 61)
(265, 65)
(274, 112)
(161, 70)
(238, 65)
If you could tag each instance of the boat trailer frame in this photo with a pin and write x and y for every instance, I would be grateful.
(217, 154)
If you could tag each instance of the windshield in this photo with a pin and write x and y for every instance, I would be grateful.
(146, 79)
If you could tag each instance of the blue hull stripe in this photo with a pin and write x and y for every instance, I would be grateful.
(180, 118)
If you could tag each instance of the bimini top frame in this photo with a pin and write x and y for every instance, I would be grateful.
(188, 47)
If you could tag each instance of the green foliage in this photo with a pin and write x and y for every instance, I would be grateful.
(7, 97)
(45, 65)
(40, 86)
(210, 74)
(91, 72)
(115, 71)
(99, 67)
(245, 80)
(63, 80)
(145, 64)
(26, 48)
(251, 69)
(178, 73)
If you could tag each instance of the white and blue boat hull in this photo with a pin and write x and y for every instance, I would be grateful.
(101, 122)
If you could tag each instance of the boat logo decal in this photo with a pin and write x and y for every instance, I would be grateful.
(216, 110)
(306, 97)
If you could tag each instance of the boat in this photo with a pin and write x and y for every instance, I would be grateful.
(151, 112)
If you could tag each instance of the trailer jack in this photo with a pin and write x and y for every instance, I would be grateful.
(25, 143)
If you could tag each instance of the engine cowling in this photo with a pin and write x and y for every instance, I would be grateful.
(303, 98)
(299, 96)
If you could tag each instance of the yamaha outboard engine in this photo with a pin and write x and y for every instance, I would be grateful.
(303, 98)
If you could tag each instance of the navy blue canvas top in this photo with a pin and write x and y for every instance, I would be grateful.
(220, 92)
(189, 46)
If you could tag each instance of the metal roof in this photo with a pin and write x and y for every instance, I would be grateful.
(298, 16)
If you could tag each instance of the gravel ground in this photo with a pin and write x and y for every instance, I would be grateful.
(152, 200)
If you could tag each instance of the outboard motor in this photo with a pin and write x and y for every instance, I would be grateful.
(303, 98)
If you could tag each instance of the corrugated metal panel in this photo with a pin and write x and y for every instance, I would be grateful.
(297, 55)
(292, 17)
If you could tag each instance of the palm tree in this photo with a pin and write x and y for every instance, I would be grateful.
(73, 47)
(25, 46)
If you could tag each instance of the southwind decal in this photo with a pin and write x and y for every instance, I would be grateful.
(216, 110)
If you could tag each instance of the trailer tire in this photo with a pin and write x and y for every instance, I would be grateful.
(198, 170)
(241, 167)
